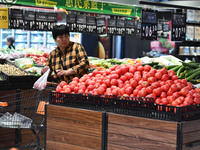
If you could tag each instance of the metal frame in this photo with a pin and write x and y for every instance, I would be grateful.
(104, 131)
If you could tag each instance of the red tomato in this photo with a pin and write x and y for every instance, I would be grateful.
(100, 90)
(133, 83)
(163, 95)
(184, 91)
(158, 75)
(196, 100)
(165, 77)
(83, 87)
(76, 88)
(142, 93)
(145, 77)
(107, 82)
(58, 89)
(174, 103)
(115, 92)
(197, 95)
(165, 87)
(132, 69)
(171, 73)
(137, 77)
(155, 84)
(157, 91)
(165, 101)
(123, 78)
(124, 69)
(174, 87)
(147, 68)
(113, 82)
(174, 77)
(128, 90)
(139, 87)
(128, 75)
(72, 87)
(184, 82)
(140, 68)
(151, 80)
(122, 92)
(176, 95)
(171, 99)
(67, 90)
(162, 83)
(145, 83)
(149, 89)
(81, 91)
(97, 85)
(158, 101)
(163, 71)
(135, 92)
(104, 86)
(90, 87)
(153, 71)
(127, 82)
(120, 85)
(119, 82)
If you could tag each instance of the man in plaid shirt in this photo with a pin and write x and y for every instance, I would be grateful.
(69, 59)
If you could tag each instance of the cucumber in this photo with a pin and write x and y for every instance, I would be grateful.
(192, 76)
(180, 70)
(169, 67)
(191, 65)
(151, 64)
(191, 71)
(176, 68)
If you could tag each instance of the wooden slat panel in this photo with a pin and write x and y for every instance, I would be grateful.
(6, 137)
(6, 131)
(119, 147)
(190, 126)
(74, 138)
(139, 143)
(28, 138)
(152, 124)
(53, 145)
(74, 114)
(142, 133)
(191, 148)
(7, 144)
(74, 126)
(191, 137)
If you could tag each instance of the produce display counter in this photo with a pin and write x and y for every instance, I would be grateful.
(76, 128)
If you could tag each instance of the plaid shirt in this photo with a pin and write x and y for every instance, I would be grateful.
(73, 57)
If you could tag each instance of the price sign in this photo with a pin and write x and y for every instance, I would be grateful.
(16, 19)
(29, 20)
(101, 25)
(71, 22)
(4, 18)
(52, 20)
(81, 23)
(41, 21)
(120, 30)
(149, 25)
(130, 27)
(91, 24)
(111, 26)
(178, 27)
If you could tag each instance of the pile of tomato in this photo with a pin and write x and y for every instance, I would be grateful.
(136, 81)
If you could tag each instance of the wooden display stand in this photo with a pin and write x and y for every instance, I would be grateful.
(75, 129)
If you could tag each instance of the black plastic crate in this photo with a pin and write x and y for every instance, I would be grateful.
(13, 78)
(173, 113)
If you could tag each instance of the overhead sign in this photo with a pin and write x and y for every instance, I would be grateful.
(4, 19)
(82, 5)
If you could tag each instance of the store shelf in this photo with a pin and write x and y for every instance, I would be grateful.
(36, 42)
(193, 23)
(21, 41)
(51, 42)
(190, 55)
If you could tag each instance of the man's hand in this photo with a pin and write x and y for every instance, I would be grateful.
(45, 69)
(65, 72)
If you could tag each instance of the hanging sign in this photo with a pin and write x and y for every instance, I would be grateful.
(29, 20)
(16, 19)
(101, 25)
(41, 21)
(4, 19)
(71, 22)
(81, 23)
(111, 26)
(178, 30)
(130, 27)
(120, 30)
(91, 24)
(52, 20)
(149, 25)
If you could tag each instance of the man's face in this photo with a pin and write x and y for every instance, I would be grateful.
(62, 41)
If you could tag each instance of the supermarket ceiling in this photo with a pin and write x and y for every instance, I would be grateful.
(171, 3)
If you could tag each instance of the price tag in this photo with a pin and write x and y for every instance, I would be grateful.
(120, 30)
(4, 20)
(178, 27)
(111, 26)
(149, 25)
(81, 23)
(101, 25)
(130, 27)
(16, 19)
(52, 20)
(29, 20)
(41, 21)
(71, 22)
(91, 24)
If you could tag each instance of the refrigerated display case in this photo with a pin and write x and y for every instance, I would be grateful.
(50, 43)
(21, 39)
(37, 39)
(4, 34)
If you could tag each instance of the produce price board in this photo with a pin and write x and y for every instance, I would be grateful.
(16, 19)
(81, 23)
(130, 27)
(149, 25)
(29, 20)
(52, 20)
(120, 30)
(111, 26)
(71, 22)
(41, 21)
(4, 18)
(91, 24)
(178, 27)
(101, 25)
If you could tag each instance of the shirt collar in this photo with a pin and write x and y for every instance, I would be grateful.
(68, 46)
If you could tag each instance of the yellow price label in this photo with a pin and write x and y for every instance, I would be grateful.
(4, 18)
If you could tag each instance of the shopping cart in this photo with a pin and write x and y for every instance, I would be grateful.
(24, 110)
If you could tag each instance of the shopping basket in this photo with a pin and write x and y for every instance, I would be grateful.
(24, 110)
